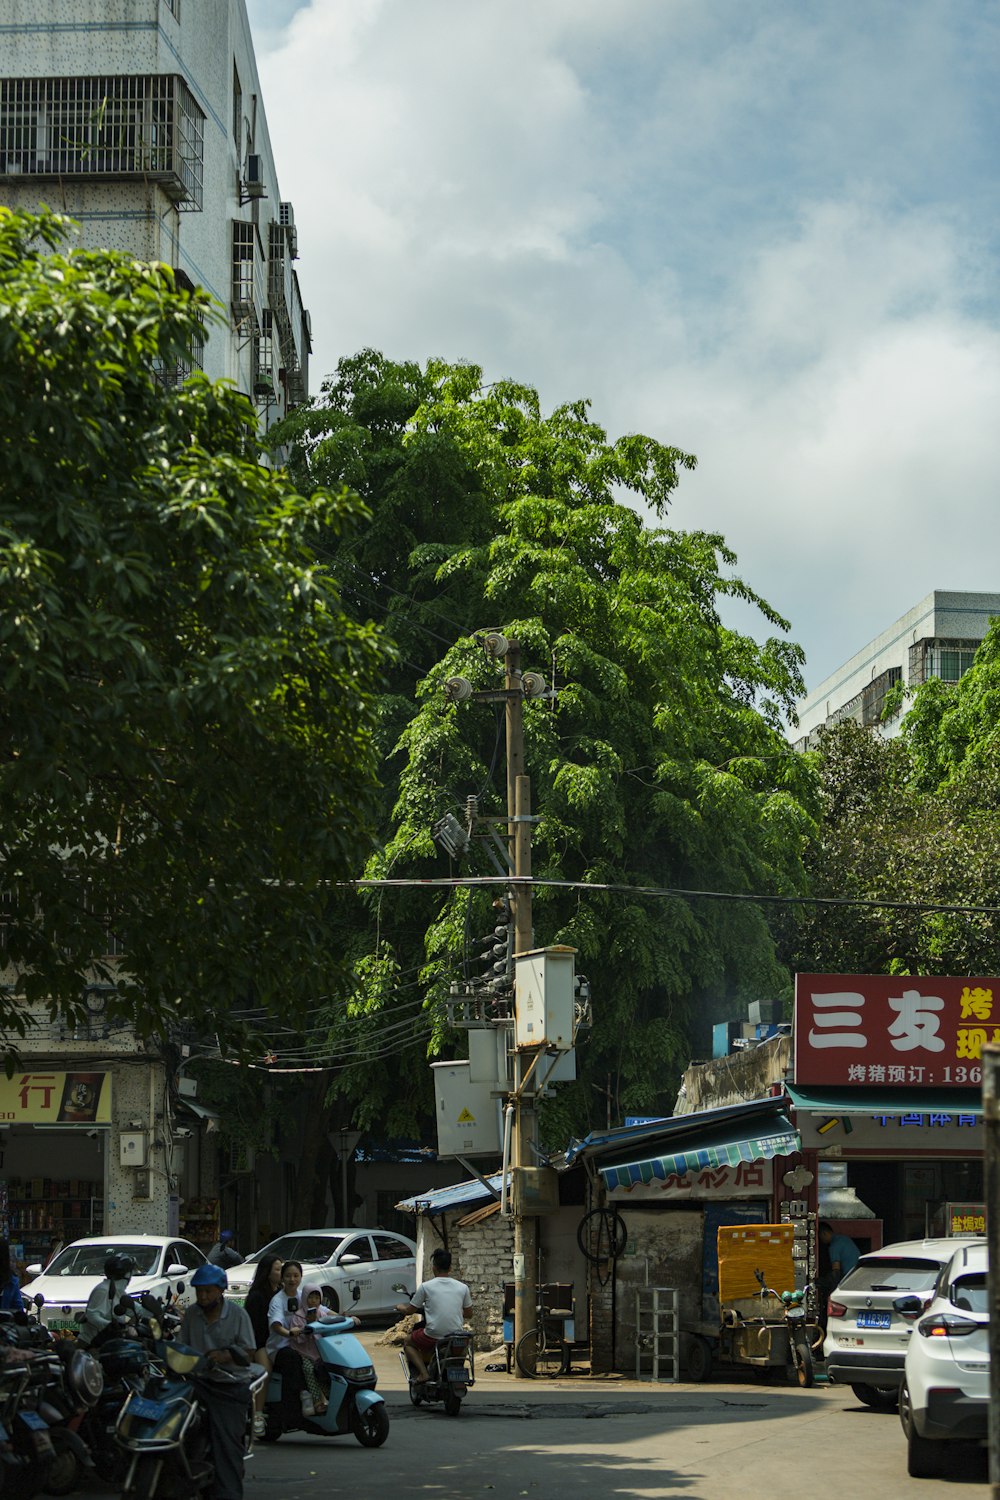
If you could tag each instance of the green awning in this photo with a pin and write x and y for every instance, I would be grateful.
(885, 1101)
(712, 1149)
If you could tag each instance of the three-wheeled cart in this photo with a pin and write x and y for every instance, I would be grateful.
(764, 1322)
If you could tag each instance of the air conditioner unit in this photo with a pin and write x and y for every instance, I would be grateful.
(286, 214)
(253, 184)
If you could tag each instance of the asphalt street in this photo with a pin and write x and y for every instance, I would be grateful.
(579, 1436)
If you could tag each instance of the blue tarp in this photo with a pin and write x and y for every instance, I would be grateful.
(462, 1195)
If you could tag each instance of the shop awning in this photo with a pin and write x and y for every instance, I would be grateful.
(885, 1101)
(714, 1149)
(753, 1130)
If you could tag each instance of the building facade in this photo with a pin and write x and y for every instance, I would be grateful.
(936, 638)
(143, 120)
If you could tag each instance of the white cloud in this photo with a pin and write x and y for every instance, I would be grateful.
(752, 232)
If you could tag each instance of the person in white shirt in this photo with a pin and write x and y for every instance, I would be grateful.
(99, 1320)
(445, 1304)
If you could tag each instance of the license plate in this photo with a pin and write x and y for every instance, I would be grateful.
(462, 1375)
(60, 1323)
(34, 1421)
(152, 1411)
(874, 1319)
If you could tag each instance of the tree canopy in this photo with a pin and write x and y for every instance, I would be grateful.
(660, 762)
(187, 713)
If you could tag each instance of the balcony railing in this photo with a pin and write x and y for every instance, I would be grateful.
(144, 126)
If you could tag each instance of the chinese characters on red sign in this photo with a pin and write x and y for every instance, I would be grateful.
(869, 1028)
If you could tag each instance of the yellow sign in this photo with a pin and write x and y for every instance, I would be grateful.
(56, 1099)
(466, 1117)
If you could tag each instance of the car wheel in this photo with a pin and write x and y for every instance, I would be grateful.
(330, 1298)
(878, 1397)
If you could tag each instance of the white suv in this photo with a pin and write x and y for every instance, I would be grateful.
(946, 1385)
(872, 1313)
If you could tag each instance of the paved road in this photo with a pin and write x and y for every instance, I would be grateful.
(563, 1440)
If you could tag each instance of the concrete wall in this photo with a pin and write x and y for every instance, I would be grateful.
(735, 1079)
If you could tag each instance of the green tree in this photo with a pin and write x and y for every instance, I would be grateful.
(187, 713)
(661, 761)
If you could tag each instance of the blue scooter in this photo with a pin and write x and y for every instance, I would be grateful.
(353, 1403)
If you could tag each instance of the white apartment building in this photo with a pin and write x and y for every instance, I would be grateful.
(936, 638)
(143, 120)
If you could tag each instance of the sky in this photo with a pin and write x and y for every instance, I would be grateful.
(765, 234)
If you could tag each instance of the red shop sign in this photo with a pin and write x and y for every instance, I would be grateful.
(874, 1029)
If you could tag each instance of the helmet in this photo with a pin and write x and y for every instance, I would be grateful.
(119, 1267)
(209, 1275)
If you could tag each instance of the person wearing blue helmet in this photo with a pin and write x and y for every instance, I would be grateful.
(217, 1328)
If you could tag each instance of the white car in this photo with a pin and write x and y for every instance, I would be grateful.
(872, 1313)
(945, 1393)
(357, 1267)
(163, 1264)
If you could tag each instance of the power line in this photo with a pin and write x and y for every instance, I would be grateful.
(674, 892)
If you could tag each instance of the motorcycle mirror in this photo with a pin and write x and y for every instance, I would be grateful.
(38, 1300)
(180, 1289)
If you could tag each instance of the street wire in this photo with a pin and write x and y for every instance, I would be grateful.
(459, 882)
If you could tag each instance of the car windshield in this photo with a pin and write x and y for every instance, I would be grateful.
(969, 1292)
(310, 1249)
(891, 1274)
(88, 1260)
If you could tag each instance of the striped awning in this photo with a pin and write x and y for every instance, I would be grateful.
(724, 1150)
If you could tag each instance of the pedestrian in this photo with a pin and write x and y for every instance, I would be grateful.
(224, 1252)
(10, 1287)
(266, 1282)
(843, 1252)
(216, 1327)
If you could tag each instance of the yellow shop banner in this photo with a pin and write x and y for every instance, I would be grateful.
(56, 1099)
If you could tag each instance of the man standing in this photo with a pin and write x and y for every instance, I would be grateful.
(222, 1331)
(445, 1304)
(224, 1253)
(843, 1252)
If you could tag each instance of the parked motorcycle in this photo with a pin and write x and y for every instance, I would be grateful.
(164, 1428)
(353, 1403)
(85, 1438)
(451, 1369)
(31, 1381)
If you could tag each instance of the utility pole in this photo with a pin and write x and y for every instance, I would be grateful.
(525, 1135)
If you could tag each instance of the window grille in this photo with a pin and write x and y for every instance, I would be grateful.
(169, 376)
(144, 126)
(243, 272)
(264, 378)
(947, 659)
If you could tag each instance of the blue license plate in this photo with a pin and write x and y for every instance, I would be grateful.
(460, 1374)
(874, 1319)
(152, 1411)
(34, 1421)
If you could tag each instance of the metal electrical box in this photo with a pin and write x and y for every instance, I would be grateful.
(545, 998)
(468, 1117)
(132, 1146)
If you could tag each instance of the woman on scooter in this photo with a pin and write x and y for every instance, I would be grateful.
(292, 1347)
(266, 1282)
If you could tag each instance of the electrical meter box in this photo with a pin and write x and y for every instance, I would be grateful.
(468, 1116)
(132, 1145)
(536, 1190)
(545, 998)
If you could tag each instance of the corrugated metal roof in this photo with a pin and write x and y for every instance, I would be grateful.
(627, 1141)
(463, 1194)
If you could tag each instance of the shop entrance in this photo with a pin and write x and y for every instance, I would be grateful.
(53, 1186)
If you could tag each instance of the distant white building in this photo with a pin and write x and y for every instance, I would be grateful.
(143, 120)
(936, 638)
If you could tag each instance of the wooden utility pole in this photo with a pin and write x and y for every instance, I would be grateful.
(991, 1182)
(525, 1136)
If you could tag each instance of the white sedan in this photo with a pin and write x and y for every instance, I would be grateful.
(358, 1268)
(163, 1265)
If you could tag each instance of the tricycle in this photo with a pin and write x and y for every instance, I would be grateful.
(759, 1327)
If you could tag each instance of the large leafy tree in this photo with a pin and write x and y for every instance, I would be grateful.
(660, 762)
(186, 711)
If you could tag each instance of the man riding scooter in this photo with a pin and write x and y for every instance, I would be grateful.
(445, 1304)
